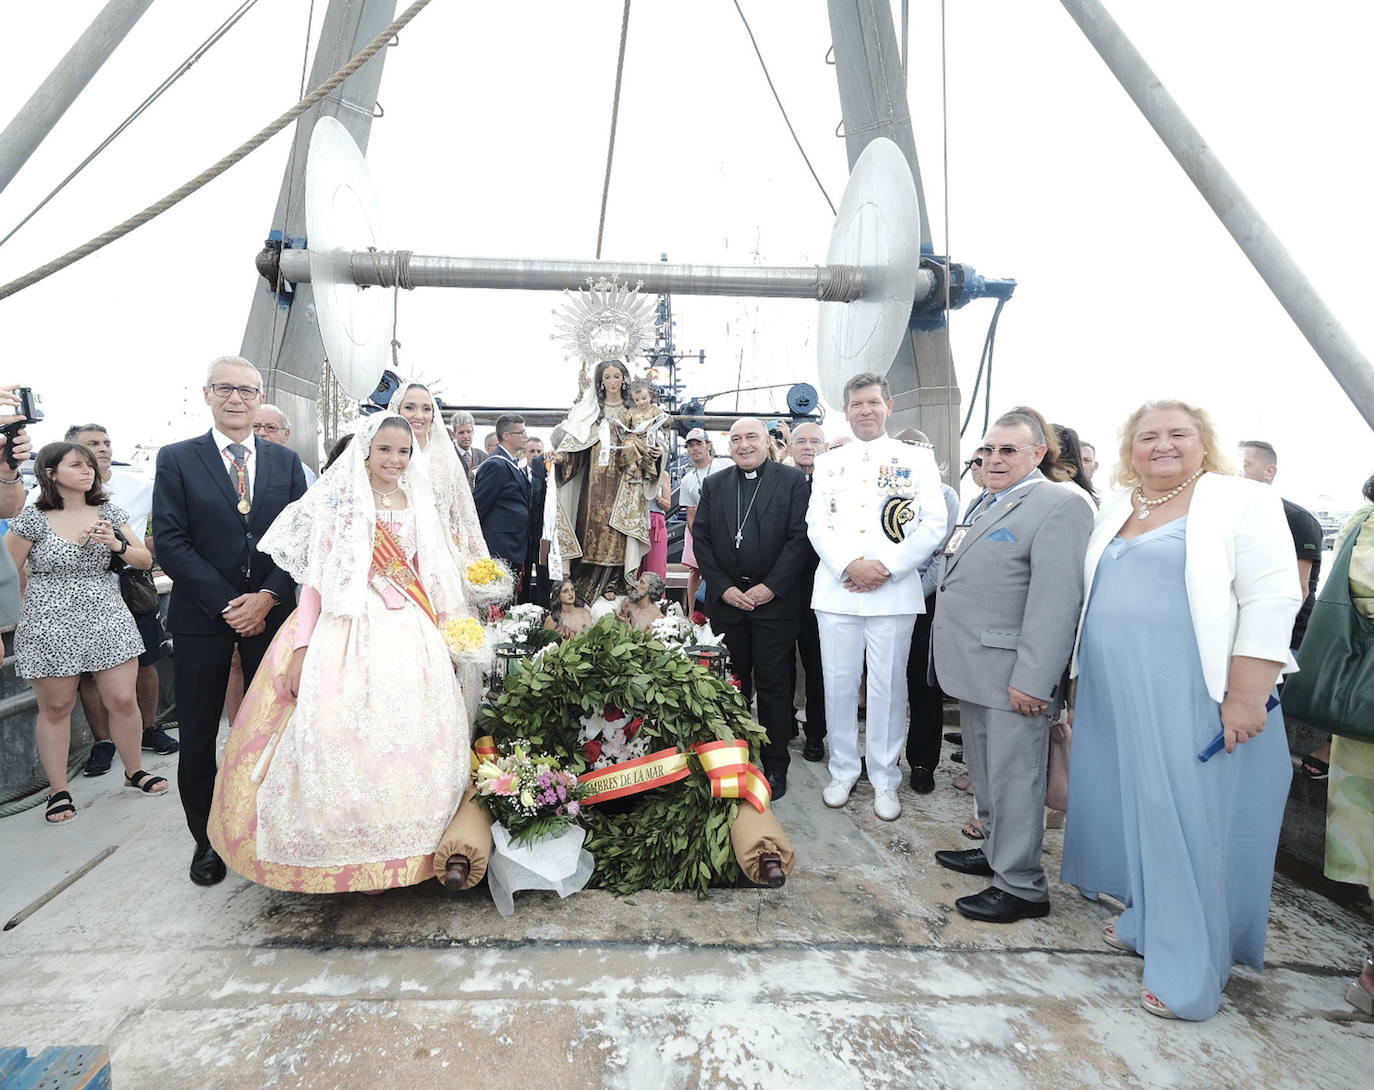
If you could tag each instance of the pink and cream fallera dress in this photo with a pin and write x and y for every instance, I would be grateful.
(350, 786)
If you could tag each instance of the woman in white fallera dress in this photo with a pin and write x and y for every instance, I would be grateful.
(351, 750)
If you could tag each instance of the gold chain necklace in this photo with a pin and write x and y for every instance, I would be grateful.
(1147, 507)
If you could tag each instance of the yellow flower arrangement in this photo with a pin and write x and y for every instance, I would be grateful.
(464, 634)
(484, 571)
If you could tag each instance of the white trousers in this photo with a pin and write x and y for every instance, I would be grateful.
(886, 642)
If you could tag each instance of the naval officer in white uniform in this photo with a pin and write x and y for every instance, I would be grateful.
(876, 513)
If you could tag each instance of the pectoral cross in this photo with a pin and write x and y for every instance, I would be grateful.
(739, 536)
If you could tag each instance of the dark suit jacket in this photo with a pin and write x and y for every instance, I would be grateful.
(502, 496)
(476, 455)
(783, 551)
(538, 490)
(205, 545)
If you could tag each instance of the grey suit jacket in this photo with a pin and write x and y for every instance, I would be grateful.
(1009, 598)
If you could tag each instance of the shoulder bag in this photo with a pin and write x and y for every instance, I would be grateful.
(1334, 687)
(136, 586)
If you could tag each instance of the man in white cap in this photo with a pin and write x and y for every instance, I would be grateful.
(704, 463)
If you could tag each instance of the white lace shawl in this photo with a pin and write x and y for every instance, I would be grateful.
(439, 462)
(324, 539)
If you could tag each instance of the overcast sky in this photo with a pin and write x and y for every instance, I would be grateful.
(493, 143)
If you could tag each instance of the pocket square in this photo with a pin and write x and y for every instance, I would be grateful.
(1001, 534)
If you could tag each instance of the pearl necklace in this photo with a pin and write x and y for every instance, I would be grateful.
(1147, 507)
(386, 496)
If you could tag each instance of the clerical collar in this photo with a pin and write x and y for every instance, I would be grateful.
(750, 474)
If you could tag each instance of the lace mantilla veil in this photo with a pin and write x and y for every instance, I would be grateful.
(324, 539)
(438, 461)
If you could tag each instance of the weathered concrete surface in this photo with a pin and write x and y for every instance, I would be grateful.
(858, 974)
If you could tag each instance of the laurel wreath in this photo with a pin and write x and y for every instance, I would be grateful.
(673, 837)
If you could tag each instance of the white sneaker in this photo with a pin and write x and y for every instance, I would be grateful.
(886, 806)
(836, 793)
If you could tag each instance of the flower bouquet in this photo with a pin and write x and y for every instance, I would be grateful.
(677, 633)
(528, 793)
(488, 582)
(466, 640)
(612, 738)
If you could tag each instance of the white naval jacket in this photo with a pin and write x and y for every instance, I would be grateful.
(879, 500)
(1239, 569)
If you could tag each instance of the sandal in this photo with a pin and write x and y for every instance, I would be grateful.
(1110, 937)
(145, 783)
(972, 831)
(1154, 1005)
(60, 803)
(1356, 995)
(1314, 768)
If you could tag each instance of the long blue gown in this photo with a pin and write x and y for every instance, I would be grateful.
(1188, 847)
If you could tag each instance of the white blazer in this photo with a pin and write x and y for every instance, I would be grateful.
(1240, 570)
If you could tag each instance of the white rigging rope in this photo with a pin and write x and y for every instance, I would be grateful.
(795, 138)
(180, 70)
(615, 115)
(209, 174)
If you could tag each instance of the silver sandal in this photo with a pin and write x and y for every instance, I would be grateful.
(1356, 996)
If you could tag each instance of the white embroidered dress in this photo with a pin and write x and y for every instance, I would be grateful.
(376, 756)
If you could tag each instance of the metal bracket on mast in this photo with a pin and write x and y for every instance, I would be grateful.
(281, 336)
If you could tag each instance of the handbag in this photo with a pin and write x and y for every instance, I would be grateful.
(136, 586)
(1334, 687)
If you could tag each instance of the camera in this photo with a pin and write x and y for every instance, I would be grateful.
(31, 409)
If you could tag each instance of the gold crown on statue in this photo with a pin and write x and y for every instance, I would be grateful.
(606, 320)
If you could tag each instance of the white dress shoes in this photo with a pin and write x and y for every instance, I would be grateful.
(886, 806)
(836, 793)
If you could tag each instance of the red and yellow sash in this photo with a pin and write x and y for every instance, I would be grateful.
(390, 562)
(631, 777)
(726, 765)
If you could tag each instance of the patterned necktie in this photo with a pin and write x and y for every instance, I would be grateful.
(239, 453)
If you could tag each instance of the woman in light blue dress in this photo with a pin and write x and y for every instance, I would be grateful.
(1193, 589)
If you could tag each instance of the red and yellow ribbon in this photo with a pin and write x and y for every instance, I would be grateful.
(389, 561)
(727, 766)
(483, 751)
(631, 777)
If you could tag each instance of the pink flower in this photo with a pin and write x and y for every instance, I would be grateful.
(574, 808)
(504, 784)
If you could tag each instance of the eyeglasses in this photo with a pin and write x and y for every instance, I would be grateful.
(974, 462)
(224, 390)
(270, 429)
(1004, 451)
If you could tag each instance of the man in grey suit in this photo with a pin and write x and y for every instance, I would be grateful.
(1009, 596)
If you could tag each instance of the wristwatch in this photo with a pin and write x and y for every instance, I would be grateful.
(124, 548)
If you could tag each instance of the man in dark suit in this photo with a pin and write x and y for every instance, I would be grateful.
(502, 494)
(808, 440)
(463, 429)
(213, 498)
(536, 470)
(750, 541)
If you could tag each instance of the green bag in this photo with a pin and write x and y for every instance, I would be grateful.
(1334, 686)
